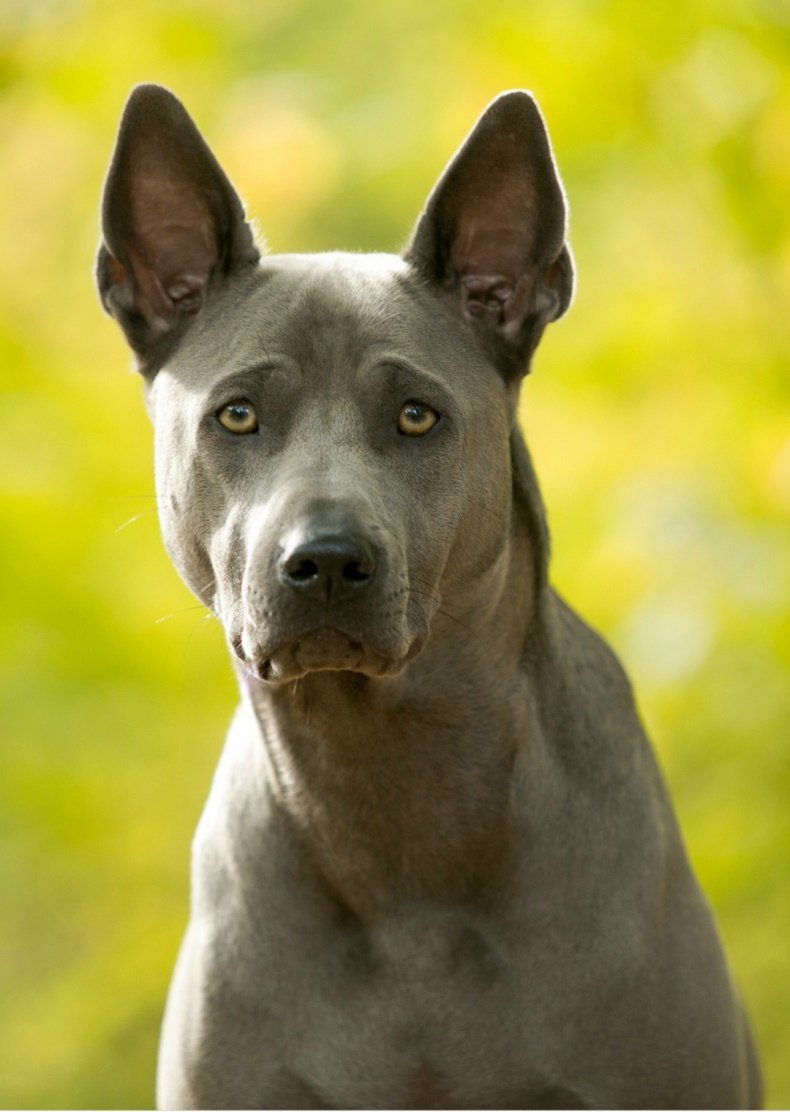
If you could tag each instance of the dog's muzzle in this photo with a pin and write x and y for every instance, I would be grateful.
(326, 599)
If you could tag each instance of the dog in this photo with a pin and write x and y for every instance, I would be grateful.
(438, 867)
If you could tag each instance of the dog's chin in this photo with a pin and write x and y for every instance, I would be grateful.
(327, 650)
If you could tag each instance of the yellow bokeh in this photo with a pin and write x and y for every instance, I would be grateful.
(658, 415)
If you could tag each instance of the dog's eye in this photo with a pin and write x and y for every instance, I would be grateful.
(238, 417)
(416, 418)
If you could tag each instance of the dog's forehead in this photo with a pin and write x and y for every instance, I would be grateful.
(307, 302)
(325, 313)
(354, 271)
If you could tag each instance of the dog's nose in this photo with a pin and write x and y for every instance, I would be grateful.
(329, 566)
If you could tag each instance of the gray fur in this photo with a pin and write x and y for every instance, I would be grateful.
(438, 867)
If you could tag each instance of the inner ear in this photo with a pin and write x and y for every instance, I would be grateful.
(171, 222)
(489, 248)
(174, 245)
(493, 230)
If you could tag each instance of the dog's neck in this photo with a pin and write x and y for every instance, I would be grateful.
(402, 787)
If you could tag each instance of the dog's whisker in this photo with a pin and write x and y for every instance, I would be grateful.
(134, 497)
(452, 618)
(134, 518)
(184, 610)
(418, 595)
(201, 621)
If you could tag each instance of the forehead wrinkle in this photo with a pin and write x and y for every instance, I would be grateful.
(334, 318)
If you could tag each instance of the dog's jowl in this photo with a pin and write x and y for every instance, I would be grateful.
(438, 867)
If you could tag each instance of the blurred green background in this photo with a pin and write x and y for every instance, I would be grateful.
(658, 416)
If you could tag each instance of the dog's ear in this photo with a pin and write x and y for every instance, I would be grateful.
(492, 235)
(171, 222)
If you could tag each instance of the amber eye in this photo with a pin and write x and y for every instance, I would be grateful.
(416, 418)
(238, 417)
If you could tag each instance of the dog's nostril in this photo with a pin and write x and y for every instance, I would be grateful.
(354, 572)
(303, 571)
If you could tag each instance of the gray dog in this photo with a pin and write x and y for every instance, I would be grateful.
(438, 867)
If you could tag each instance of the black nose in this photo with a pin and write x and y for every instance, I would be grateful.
(329, 566)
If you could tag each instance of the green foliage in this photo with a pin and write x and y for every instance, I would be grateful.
(658, 416)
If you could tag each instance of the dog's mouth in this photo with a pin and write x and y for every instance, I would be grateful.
(322, 650)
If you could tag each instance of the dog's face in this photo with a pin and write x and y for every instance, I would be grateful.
(332, 431)
(325, 446)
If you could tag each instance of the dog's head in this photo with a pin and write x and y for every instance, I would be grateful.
(333, 431)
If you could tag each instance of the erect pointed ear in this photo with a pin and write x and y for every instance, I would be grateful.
(172, 224)
(492, 235)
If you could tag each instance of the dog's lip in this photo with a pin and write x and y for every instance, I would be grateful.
(326, 649)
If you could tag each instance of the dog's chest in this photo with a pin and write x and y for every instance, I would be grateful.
(419, 1011)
